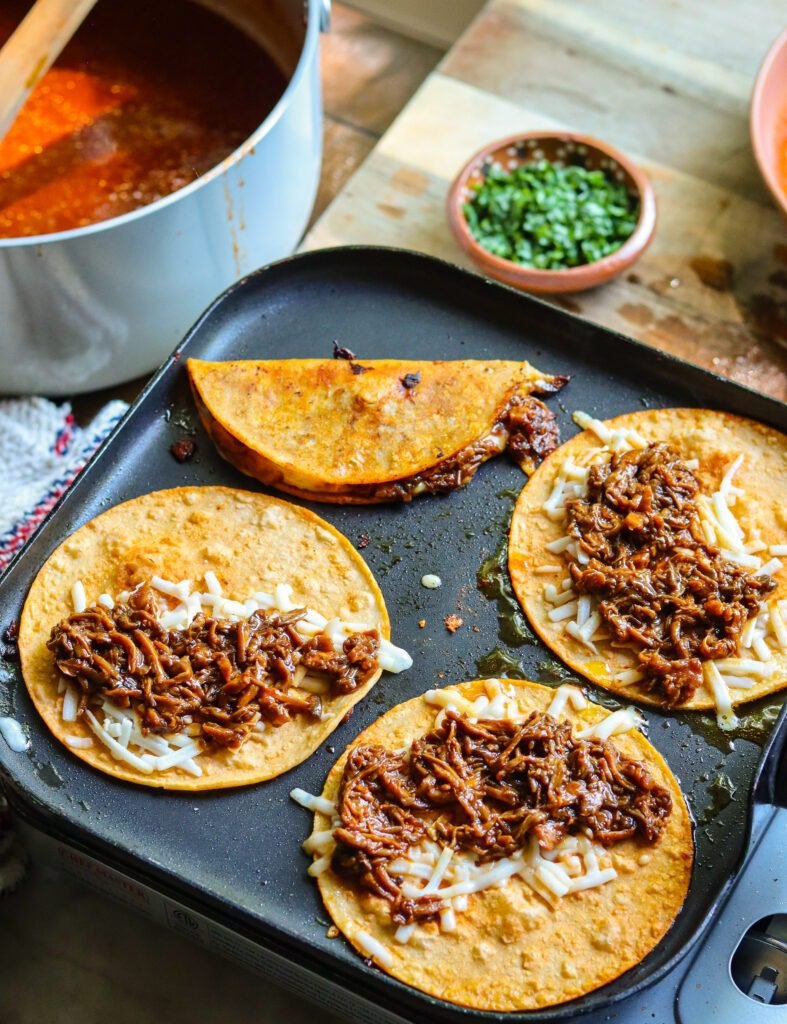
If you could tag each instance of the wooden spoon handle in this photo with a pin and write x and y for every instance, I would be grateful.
(33, 48)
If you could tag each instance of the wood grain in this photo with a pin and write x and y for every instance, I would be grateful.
(713, 286)
(369, 72)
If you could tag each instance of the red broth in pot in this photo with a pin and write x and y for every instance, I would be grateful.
(147, 97)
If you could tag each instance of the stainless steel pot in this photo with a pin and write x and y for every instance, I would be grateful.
(96, 306)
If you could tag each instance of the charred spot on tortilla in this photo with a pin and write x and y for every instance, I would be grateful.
(230, 676)
(505, 813)
(340, 352)
(647, 555)
(309, 428)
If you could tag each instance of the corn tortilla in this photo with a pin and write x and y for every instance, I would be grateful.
(251, 542)
(510, 951)
(319, 428)
(715, 439)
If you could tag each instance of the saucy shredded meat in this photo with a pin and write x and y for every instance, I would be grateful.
(215, 677)
(485, 788)
(661, 587)
(526, 427)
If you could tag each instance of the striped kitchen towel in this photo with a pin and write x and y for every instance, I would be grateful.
(42, 450)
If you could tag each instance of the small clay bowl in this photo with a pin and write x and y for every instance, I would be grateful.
(768, 117)
(565, 147)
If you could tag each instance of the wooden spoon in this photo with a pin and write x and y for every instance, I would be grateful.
(33, 48)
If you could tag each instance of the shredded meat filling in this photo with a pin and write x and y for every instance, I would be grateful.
(527, 428)
(661, 587)
(485, 788)
(215, 678)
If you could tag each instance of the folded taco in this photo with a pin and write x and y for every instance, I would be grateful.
(374, 430)
(647, 553)
(202, 637)
(501, 845)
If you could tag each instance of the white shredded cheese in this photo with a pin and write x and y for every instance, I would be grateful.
(374, 949)
(622, 720)
(721, 696)
(566, 694)
(744, 667)
(776, 623)
(564, 611)
(212, 583)
(79, 742)
(586, 422)
(13, 734)
(319, 866)
(78, 597)
(629, 676)
(70, 704)
(118, 752)
(313, 803)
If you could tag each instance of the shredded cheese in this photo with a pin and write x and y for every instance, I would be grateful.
(725, 716)
(78, 597)
(121, 726)
(622, 720)
(313, 803)
(577, 614)
(374, 949)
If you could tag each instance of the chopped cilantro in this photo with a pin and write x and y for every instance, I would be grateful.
(549, 216)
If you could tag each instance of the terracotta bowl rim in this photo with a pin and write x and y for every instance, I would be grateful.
(757, 143)
(572, 278)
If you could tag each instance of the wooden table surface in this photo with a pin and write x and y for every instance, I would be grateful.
(668, 83)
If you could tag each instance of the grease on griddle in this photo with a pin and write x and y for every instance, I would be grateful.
(722, 792)
(754, 725)
(500, 664)
(554, 673)
(494, 582)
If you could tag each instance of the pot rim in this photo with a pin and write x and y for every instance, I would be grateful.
(247, 147)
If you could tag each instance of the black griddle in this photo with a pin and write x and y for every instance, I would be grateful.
(234, 855)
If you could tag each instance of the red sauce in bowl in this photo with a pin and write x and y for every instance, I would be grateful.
(147, 97)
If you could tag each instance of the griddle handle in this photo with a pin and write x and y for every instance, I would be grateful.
(771, 783)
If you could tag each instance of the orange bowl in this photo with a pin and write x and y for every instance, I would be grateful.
(556, 147)
(768, 120)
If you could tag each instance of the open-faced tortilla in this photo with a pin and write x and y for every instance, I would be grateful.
(251, 543)
(511, 949)
(366, 431)
(715, 440)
